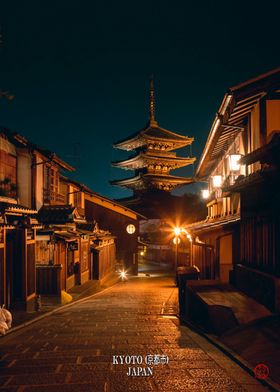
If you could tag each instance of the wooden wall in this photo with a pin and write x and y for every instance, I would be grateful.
(203, 258)
(260, 243)
(107, 259)
(116, 223)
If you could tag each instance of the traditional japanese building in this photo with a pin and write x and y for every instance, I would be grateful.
(239, 239)
(153, 157)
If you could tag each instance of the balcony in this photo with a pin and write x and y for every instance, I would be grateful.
(51, 197)
(8, 188)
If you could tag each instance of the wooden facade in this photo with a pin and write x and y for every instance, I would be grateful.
(17, 266)
(154, 157)
(103, 258)
(241, 164)
(116, 218)
(34, 196)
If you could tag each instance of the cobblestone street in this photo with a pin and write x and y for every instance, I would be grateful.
(72, 349)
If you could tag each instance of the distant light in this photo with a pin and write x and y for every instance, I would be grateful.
(205, 193)
(217, 181)
(130, 229)
(176, 240)
(123, 275)
(233, 160)
(142, 253)
(177, 231)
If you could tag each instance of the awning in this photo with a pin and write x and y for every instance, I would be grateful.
(269, 153)
(258, 177)
(56, 214)
(10, 208)
(213, 223)
(66, 236)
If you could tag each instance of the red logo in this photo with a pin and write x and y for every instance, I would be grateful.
(261, 371)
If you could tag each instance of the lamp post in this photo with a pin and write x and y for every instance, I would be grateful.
(176, 241)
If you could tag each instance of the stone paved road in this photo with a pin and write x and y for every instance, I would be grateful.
(72, 349)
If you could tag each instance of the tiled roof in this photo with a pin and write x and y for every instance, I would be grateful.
(153, 132)
(209, 224)
(20, 141)
(16, 208)
(237, 104)
(267, 153)
(162, 133)
(56, 214)
(149, 177)
(257, 177)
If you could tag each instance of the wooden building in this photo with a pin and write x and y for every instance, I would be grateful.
(240, 162)
(71, 250)
(154, 157)
(121, 221)
(101, 247)
(59, 250)
(17, 228)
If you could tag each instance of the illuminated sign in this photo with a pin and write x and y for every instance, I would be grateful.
(130, 229)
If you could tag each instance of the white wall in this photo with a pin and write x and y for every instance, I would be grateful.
(24, 178)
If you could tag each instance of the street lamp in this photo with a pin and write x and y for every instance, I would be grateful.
(205, 193)
(176, 241)
(234, 162)
(217, 181)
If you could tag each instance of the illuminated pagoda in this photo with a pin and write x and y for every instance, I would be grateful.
(153, 157)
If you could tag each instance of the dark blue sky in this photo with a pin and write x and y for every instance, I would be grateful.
(80, 71)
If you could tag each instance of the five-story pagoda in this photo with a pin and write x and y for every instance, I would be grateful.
(154, 157)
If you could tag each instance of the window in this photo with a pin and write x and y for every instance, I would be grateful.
(51, 184)
(77, 199)
(8, 174)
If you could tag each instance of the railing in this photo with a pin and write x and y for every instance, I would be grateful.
(53, 197)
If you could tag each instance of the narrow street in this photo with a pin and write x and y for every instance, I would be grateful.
(73, 349)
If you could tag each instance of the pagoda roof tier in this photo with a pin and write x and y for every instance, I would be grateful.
(144, 159)
(153, 134)
(158, 181)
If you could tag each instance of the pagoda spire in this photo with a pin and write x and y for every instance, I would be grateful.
(152, 105)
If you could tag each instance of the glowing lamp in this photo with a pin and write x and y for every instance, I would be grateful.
(217, 181)
(233, 160)
(130, 229)
(176, 240)
(205, 193)
(123, 275)
(177, 231)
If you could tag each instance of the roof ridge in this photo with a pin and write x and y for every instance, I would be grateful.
(255, 79)
(167, 130)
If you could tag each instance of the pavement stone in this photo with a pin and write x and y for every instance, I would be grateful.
(72, 349)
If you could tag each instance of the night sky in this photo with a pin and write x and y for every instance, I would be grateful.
(80, 72)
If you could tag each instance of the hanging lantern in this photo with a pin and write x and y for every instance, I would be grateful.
(205, 193)
(217, 181)
(130, 229)
(233, 160)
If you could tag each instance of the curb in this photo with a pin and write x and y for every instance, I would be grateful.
(272, 385)
(27, 323)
